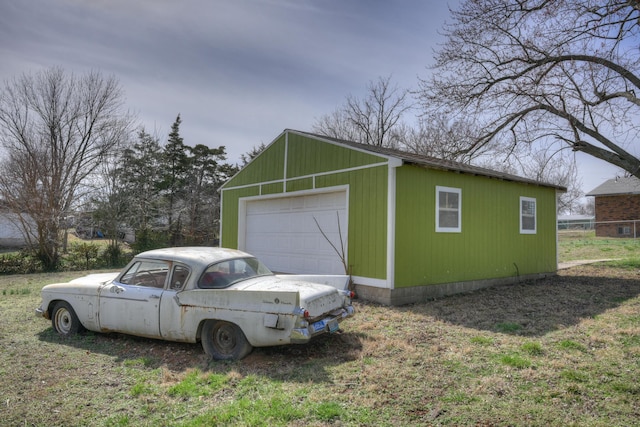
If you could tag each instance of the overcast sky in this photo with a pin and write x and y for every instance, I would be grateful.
(237, 71)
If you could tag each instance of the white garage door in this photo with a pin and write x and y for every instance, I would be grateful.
(283, 232)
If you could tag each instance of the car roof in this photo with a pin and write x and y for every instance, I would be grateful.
(195, 256)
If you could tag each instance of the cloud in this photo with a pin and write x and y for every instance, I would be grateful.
(238, 72)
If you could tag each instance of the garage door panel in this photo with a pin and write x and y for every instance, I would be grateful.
(329, 265)
(283, 232)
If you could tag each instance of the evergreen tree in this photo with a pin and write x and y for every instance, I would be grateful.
(175, 171)
(206, 176)
(140, 175)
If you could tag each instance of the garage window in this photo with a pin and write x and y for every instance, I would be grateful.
(448, 208)
(527, 215)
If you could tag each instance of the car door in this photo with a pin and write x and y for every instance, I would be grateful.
(175, 322)
(131, 303)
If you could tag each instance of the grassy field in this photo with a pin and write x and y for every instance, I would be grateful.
(580, 245)
(557, 352)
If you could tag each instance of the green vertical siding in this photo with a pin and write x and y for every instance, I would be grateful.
(310, 160)
(230, 214)
(306, 156)
(490, 244)
(272, 188)
(299, 184)
(367, 218)
(268, 166)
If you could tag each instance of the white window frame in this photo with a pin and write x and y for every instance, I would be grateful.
(457, 191)
(535, 216)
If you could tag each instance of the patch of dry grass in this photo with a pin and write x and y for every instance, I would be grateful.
(556, 352)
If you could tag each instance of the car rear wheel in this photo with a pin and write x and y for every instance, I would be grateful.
(64, 319)
(224, 340)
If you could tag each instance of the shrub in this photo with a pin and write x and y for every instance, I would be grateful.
(82, 256)
(19, 263)
(114, 256)
(148, 239)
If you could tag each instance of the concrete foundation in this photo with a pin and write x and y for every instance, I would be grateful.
(417, 294)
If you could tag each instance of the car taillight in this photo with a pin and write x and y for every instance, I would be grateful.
(302, 312)
(350, 294)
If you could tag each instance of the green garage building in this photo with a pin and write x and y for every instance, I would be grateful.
(405, 227)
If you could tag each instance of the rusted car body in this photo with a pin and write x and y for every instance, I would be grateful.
(224, 298)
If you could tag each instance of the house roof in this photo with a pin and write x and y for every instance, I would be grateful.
(617, 186)
(430, 162)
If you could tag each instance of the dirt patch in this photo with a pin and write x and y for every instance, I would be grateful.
(538, 307)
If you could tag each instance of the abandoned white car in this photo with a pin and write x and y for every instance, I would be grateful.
(226, 299)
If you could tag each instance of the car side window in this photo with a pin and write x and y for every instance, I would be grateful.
(179, 277)
(216, 276)
(227, 272)
(146, 273)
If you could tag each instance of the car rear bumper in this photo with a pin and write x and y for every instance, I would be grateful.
(328, 324)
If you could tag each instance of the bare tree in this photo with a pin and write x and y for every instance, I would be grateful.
(54, 129)
(587, 208)
(542, 71)
(108, 203)
(556, 168)
(370, 120)
(436, 136)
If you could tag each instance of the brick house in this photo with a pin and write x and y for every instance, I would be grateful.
(617, 207)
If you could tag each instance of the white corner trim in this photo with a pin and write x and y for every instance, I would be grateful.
(391, 227)
(286, 155)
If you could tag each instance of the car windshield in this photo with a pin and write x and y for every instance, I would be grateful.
(226, 273)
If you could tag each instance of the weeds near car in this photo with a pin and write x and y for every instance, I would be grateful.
(6, 292)
(561, 351)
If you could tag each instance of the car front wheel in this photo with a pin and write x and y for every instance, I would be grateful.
(64, 319)
(224, 340)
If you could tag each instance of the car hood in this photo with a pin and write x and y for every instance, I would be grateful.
(82, 285)
(96, 279)
(316, 298)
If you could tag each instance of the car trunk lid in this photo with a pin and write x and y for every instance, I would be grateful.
(316, 298)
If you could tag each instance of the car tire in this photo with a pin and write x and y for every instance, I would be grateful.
(64, 320)
(224, 340)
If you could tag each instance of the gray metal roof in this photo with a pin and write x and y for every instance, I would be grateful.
(617, 186)
(431, 162)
